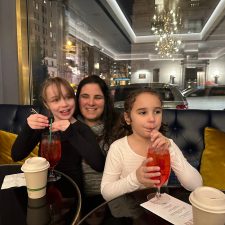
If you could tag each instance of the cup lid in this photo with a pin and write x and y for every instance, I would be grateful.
(35, 164)
(208, 199)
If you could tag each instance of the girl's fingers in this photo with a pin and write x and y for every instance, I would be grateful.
(150, 172)
(38, 118)
(37, 121)
(146, 161)
(61, 125)
(146, 173)
(151, 183)
(159, 141)
(149, 169)
(151, 175)
(148, 180)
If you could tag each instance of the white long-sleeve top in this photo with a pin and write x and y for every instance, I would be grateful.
(119, 175)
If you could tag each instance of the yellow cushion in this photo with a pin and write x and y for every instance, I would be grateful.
(6, 141)
(213, 159)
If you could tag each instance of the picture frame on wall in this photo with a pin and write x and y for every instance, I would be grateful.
(142, 76)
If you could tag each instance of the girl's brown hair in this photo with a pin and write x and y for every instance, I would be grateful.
(125, 129)
(129, 101)
(58, 82)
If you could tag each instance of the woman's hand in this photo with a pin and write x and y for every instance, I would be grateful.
(144, 174)
(159, 141)
(38, 121)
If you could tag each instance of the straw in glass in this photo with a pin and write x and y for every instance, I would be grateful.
(34, 111)
(50, 131)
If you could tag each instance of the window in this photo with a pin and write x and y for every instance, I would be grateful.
(198, 93)
(44, 9)
(36, 6)
(217, 91)
(167, 95)
(59, 20)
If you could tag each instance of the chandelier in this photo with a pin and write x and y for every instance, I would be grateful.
(167, 46)
(166, 23)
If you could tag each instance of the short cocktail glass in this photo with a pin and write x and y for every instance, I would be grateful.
(51, 150)
(161, 158)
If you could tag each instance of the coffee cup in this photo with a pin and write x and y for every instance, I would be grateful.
(36, 171)
(208, 206)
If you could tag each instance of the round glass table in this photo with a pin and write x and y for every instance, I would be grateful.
(61, 205)
(126, 209)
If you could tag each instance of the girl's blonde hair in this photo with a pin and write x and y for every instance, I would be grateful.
(58, 82)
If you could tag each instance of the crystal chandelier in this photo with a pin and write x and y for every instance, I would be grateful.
(166, 23)
(167, 46)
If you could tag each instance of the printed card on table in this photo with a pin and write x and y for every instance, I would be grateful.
(13, 180)
(175, 211)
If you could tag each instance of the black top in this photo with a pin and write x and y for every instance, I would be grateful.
(78, 142)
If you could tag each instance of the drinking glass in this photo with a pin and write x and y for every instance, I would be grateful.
(51, 150)
(161, 158)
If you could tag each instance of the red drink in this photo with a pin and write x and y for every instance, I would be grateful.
(51, 150)
(54, 196)
(161, 158)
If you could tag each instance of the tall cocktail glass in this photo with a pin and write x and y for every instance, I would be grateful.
(161, 158)
(51, 150)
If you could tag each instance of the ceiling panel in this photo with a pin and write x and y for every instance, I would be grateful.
(106, 27)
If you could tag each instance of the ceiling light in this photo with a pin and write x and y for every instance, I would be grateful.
(165, 23)
(167, 46)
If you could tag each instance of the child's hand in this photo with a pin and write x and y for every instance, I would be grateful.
(38, 121)
(144, 174)
(60, 125)
(159, 141)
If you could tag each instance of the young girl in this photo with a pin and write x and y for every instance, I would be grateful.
(126, 167)
(77, 140)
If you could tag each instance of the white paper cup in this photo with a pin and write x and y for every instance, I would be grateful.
(36, 171)
(208, 206)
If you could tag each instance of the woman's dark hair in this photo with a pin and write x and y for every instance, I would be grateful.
(108, 114)
(125, 129)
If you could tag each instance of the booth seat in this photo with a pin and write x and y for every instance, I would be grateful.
(200, 134)
(12, 119)
(186, 127)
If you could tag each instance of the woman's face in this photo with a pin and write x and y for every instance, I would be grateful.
(91, 103)
(62, 107)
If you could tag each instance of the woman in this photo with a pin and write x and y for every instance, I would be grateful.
(77, 140)
(94, 107)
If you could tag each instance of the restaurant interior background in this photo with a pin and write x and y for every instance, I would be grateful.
(122, 41)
